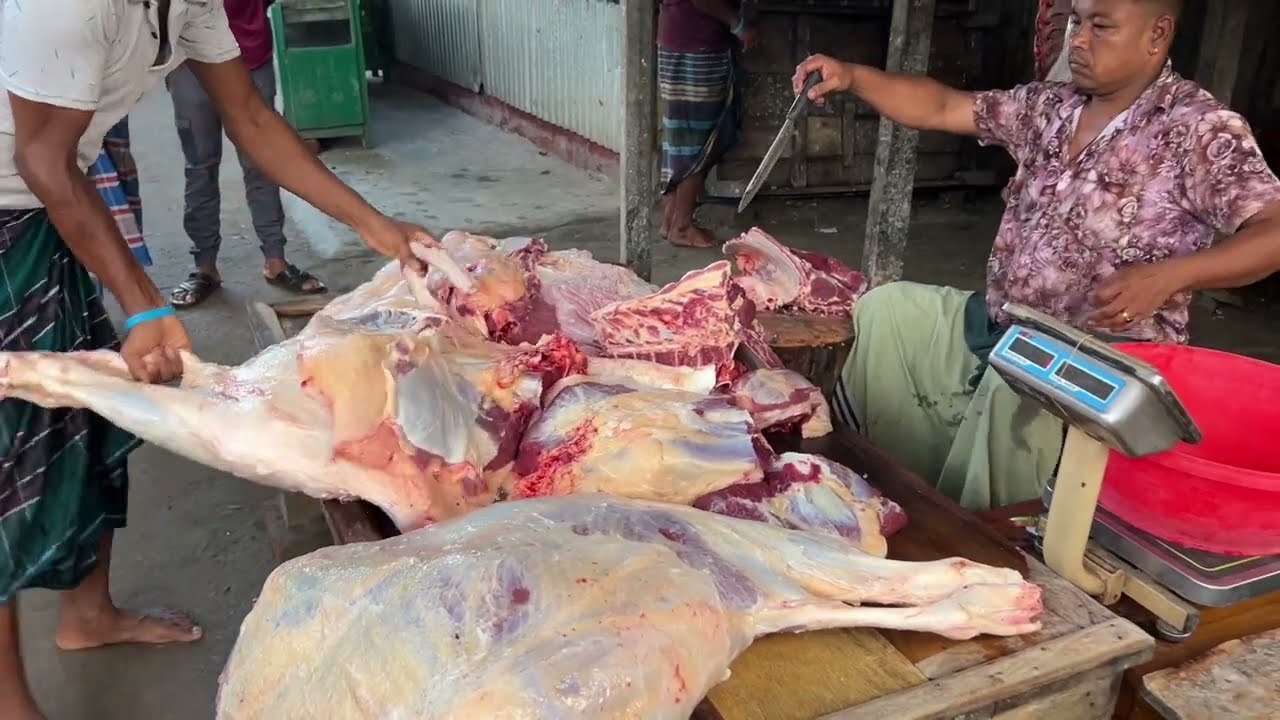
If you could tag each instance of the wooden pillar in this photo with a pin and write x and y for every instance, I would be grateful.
(889, 211)
(639, 133)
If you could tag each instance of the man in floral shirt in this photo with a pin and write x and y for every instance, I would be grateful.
(1126, 175)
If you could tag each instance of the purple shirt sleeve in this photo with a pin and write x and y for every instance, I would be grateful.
(1009, 118)
(1225, 176)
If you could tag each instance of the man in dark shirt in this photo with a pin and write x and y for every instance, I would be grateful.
(700, 103)
(200, 132)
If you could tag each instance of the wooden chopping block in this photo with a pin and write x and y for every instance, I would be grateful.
(812, 345)
(1239, 679)
(808, 675)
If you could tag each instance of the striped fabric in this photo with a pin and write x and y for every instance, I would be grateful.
(699, 111)
(63, 474)
(116, 177)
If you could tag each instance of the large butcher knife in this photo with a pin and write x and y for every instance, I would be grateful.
(798, 109)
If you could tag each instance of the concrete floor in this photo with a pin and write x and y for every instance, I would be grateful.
(197, 538)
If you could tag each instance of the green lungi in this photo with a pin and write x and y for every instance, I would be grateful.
(908, 386)
(63, 477)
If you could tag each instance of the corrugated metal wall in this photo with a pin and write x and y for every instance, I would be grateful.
(559, 60)
(440, 36)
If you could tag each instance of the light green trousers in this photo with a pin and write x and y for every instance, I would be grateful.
(906, 387)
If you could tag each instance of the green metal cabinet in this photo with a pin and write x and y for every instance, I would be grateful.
(320, 54)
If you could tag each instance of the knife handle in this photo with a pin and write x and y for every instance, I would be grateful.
(814, 78)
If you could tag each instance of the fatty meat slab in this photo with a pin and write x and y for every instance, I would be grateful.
(585, 607)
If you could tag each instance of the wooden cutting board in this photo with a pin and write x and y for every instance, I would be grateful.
(801, 677)
(1239, 679)
(816, 347)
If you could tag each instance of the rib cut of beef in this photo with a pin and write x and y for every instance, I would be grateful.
(779, 278)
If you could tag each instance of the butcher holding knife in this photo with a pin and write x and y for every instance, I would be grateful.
(1125, 175)
(71, 70)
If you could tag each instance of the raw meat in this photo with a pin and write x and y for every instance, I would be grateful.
(582, 607)
(783, 400)
(778, 278)
(700, 319)
(807, 492)
(392, 405)
(394, 395)
(621, 438)
(648, 444)
(576, 286)
(516, 290)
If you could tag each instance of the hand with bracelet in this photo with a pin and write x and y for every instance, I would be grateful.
(153, 343)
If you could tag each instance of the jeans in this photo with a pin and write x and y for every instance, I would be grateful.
(200, 133)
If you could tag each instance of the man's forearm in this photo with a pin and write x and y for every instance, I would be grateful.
(277, 150)
(915, 101)
(722, 10)
(1250, 255)
(86, 226)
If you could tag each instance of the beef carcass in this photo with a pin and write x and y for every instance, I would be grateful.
(621, 439)
(782, 400)
(581, 607)
(388, 404)
(700, 319)
(778, 278)
(617, 437)
(384, 397)
(516, 290)
(799, 491)
(576, 285)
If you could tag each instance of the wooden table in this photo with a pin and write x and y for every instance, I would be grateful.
(1070, 669)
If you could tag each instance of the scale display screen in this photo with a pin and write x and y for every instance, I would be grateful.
(1031, 352)
(1086, 381)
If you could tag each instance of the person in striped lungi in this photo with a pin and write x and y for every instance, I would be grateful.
(701, 105)
(115, 175)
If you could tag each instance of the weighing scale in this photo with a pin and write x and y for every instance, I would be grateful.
(1113, 401)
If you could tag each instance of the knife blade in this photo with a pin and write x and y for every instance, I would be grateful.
(798, 108)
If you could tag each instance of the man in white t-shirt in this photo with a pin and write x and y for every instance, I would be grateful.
(72, 69)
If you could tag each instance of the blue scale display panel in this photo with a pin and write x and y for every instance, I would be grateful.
(1052, 367)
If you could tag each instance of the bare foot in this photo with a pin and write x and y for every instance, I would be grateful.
(693, 237)
(157, 627)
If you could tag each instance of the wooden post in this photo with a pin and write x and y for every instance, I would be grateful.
(889, 210)
(639, 133)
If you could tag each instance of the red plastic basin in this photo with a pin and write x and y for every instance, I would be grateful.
(1223, 494)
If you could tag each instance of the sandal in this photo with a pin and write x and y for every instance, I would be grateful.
(194, 290)
(297, 280)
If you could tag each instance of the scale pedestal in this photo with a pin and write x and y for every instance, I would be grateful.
(1065, 538)
(1112, 401)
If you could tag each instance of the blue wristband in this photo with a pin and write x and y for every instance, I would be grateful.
(148, 316)
(742, 25)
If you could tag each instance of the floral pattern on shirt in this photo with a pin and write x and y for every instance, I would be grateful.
(1168, 174)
